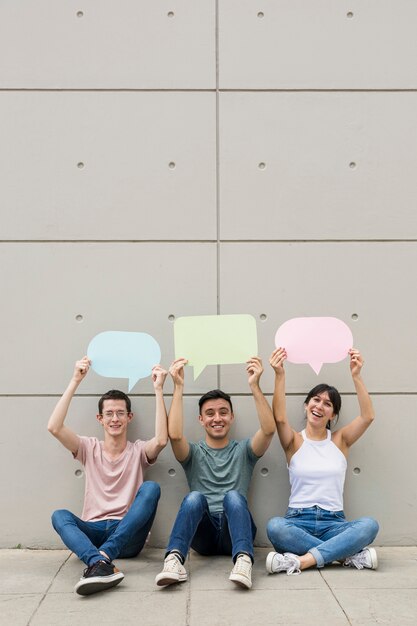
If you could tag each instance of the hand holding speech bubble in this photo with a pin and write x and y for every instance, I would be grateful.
(121, 354)
(314, 340)
(215, 340)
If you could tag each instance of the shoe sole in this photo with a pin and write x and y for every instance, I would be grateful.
(87, 586)
(268, 563)
(374, 558)
(242, 582)
(163, 579)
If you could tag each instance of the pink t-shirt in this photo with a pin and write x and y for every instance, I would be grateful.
(110, 486)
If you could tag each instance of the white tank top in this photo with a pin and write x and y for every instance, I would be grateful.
(317, 475)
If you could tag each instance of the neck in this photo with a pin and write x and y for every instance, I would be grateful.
(316, 434)
(217, 443)
(114, 445)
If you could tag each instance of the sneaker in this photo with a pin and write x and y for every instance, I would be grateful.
(241, 573)
(98, 577)
(173, 572)
(287, 562)
(365, 558)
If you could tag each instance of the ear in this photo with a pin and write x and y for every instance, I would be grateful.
(129, 416)
(232, 416)
(200, 419)
(99, 418)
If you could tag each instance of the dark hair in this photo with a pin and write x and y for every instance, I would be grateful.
(114, 394)
(215, 394)
(334, 397)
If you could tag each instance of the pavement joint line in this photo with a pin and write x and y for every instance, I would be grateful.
(48, 588)
(335, 597)
(188, 597)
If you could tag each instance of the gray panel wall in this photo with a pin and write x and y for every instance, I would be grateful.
(160, 159)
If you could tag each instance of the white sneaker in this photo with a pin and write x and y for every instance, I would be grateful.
(241, 573)
(173, 572)
(287, 562)
(366, 558)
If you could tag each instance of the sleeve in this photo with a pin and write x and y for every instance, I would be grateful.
(250, 453)
(85, 446)
(139, 447)
(188, 460)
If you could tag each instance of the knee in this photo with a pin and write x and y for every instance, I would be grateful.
(194, 500)
(275, 528)
(370, 527)
(233, 499)
(150, 489)
(60, 517)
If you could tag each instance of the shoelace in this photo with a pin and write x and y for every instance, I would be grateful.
(359, 561)
(172, 564)
(91, 568)
(242, 566)
(291, 565)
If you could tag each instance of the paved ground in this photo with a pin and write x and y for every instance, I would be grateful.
(36, 590)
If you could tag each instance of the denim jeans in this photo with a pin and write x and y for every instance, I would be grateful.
(228, 532)
(123, 538)
(325, 534)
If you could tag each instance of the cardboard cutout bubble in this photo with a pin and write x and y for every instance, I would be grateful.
(120, 354)
(314, 340)
(215, 340)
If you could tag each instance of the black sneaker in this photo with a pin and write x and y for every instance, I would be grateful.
(98, 577)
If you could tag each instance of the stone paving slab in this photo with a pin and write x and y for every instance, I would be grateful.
(397, 569)
(37, 590)
(379, 606)
(16, 609)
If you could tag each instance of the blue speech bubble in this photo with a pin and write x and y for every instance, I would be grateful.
(121, 354)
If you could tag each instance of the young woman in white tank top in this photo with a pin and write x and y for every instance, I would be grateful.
(314, 530)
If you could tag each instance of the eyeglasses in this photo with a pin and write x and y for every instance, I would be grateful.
(108, 415)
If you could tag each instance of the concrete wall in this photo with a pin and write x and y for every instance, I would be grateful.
(172, 158)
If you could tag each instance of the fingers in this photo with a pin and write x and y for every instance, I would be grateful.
(176, 369)
(278, 357)
(158, 375)
(83, 365)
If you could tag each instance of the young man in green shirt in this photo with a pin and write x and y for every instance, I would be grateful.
(214, 517)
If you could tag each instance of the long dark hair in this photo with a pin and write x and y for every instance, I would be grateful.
(334, 397)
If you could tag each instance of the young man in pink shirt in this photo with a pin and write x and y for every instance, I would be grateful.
(119, 508)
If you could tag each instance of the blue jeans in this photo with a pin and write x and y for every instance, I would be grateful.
(325, 534)
(123, 538)
(228, 532)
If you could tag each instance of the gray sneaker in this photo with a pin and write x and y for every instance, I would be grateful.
(173, 572)
(366, 558)
(241, 573)
(287, 562)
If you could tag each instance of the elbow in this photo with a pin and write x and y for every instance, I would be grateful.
(161, 442)
(269, 432)
(370, 418)
(53, 430)
(174, 436)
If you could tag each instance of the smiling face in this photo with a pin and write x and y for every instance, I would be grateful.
(216, 417)
(114, 418)
(319, 409)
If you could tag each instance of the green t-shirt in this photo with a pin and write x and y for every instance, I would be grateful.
(213, 472)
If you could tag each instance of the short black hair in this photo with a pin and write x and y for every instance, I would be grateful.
(215, 394)
(334, 397)
(114, 394)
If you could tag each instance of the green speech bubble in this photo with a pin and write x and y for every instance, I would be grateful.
(215, 340)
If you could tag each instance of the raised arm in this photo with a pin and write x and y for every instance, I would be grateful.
(56, 425)
(179, 443)
(355, 429)
(159, 441)
(279, 407)
(262, 438)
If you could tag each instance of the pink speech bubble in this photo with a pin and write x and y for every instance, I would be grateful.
(314, 340)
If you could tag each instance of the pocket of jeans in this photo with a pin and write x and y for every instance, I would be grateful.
(338, 514)
(292, 512)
